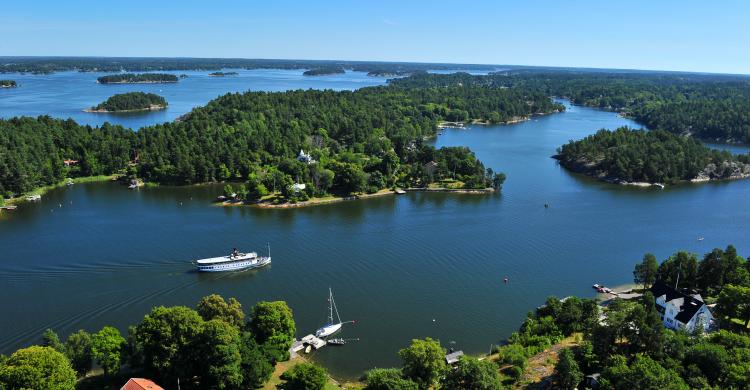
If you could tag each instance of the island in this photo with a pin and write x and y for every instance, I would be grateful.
(324, 71)
(131, 102)
(388, 73)
(142, 78)
(645, 158)
(222, 74)
(8, 84)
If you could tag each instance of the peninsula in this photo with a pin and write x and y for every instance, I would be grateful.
(131, 102)
(8, 84)
(640, 157)
(142, 78)
(324, 71)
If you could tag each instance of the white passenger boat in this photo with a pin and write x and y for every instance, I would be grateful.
(235, 261)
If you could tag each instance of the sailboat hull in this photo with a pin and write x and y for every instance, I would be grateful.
(327, 330)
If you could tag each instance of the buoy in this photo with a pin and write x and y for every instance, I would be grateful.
(505, 280)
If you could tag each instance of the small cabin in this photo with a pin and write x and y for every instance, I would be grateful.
(453, 357)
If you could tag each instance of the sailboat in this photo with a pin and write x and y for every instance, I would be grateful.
(331, 327)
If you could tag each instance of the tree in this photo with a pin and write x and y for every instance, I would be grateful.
(229, 191)
(215, 307)
(218, 349)
(645, 272)
(164, 338)
(472, 373)
(106, 347)
(734, 302)
(37, 368)
(568, 373)
(304, 376)
(423, 361)
(272, 324)
(78, 349)
(50, 339)
(642, 373)
(497, 180)
(388, 379)
(256, 369)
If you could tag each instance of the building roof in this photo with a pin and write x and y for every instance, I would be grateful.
(452, 357)
(140, 384)
(687, 304)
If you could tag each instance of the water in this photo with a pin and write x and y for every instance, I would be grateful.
(67, 94)
(403, 267)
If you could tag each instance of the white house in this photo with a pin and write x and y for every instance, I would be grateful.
(679, 310)
(305, 157)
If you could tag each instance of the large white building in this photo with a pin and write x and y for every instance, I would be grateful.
(681, 311)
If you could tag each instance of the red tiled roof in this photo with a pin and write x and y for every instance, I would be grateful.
(140, 384)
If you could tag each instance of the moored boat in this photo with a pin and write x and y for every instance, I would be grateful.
(331, 327)
(235, 261)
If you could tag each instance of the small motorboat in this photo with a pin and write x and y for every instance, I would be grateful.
(308, 349)
(701, 238)
(336, 341)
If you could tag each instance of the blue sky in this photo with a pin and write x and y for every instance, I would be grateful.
(707, 36)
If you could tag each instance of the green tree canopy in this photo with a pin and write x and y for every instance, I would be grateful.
(106, 347)
(423, 361)
(472, 373)
(37, 367)
(78, 349)
(388, 379)
(215, 307)
(304, 376)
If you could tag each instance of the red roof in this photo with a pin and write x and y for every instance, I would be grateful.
(140, 384)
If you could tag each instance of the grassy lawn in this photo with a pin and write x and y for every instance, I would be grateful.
(281, 367)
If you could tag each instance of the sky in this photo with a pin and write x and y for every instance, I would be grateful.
(687, 35)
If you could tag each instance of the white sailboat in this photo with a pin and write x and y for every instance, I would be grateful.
(331, 327)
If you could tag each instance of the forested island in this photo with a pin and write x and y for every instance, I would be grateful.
(328, 70)
(355, 141)
(624, 342)
(131, 101)
(222, 74)
(8, 84)
(639, 156)
(132, 78)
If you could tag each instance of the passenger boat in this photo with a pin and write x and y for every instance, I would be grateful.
(235, 261)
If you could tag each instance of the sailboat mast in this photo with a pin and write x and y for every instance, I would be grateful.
(330, 306)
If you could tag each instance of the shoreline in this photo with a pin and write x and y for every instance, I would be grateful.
(43, 190)
(339, 199)
(136, 82)
(154, 107)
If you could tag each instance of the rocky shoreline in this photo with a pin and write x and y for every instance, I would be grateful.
(728, 170)
(153, 107)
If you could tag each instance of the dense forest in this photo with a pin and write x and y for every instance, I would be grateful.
(131, 78)
(135, 64)
(32, 151)
(324, 71)
(222, 74)
(360, 141)
(7, 84)
(710, 107)
(627, 155)
(131, 101)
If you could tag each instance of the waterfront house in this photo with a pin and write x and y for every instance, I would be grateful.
(297, 187)
(453, 357)
(70, 162)
(681, 311)
(140, 384)
(430, 168)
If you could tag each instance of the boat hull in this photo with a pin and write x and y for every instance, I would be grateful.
(327, 330)
(241, 265)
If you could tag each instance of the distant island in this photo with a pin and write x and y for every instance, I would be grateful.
(131, 101)
(325, 70)
(388, 73)
(222, 74)
(132, 78)
(8, 84)
(640, 157)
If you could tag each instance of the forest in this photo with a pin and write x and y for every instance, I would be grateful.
(707, 107)
(7, 84)
(628, 155)
(132, 78)
(322, 71)
(131, 101)
(359, 141)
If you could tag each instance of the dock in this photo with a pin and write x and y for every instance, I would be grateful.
(399, 191)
